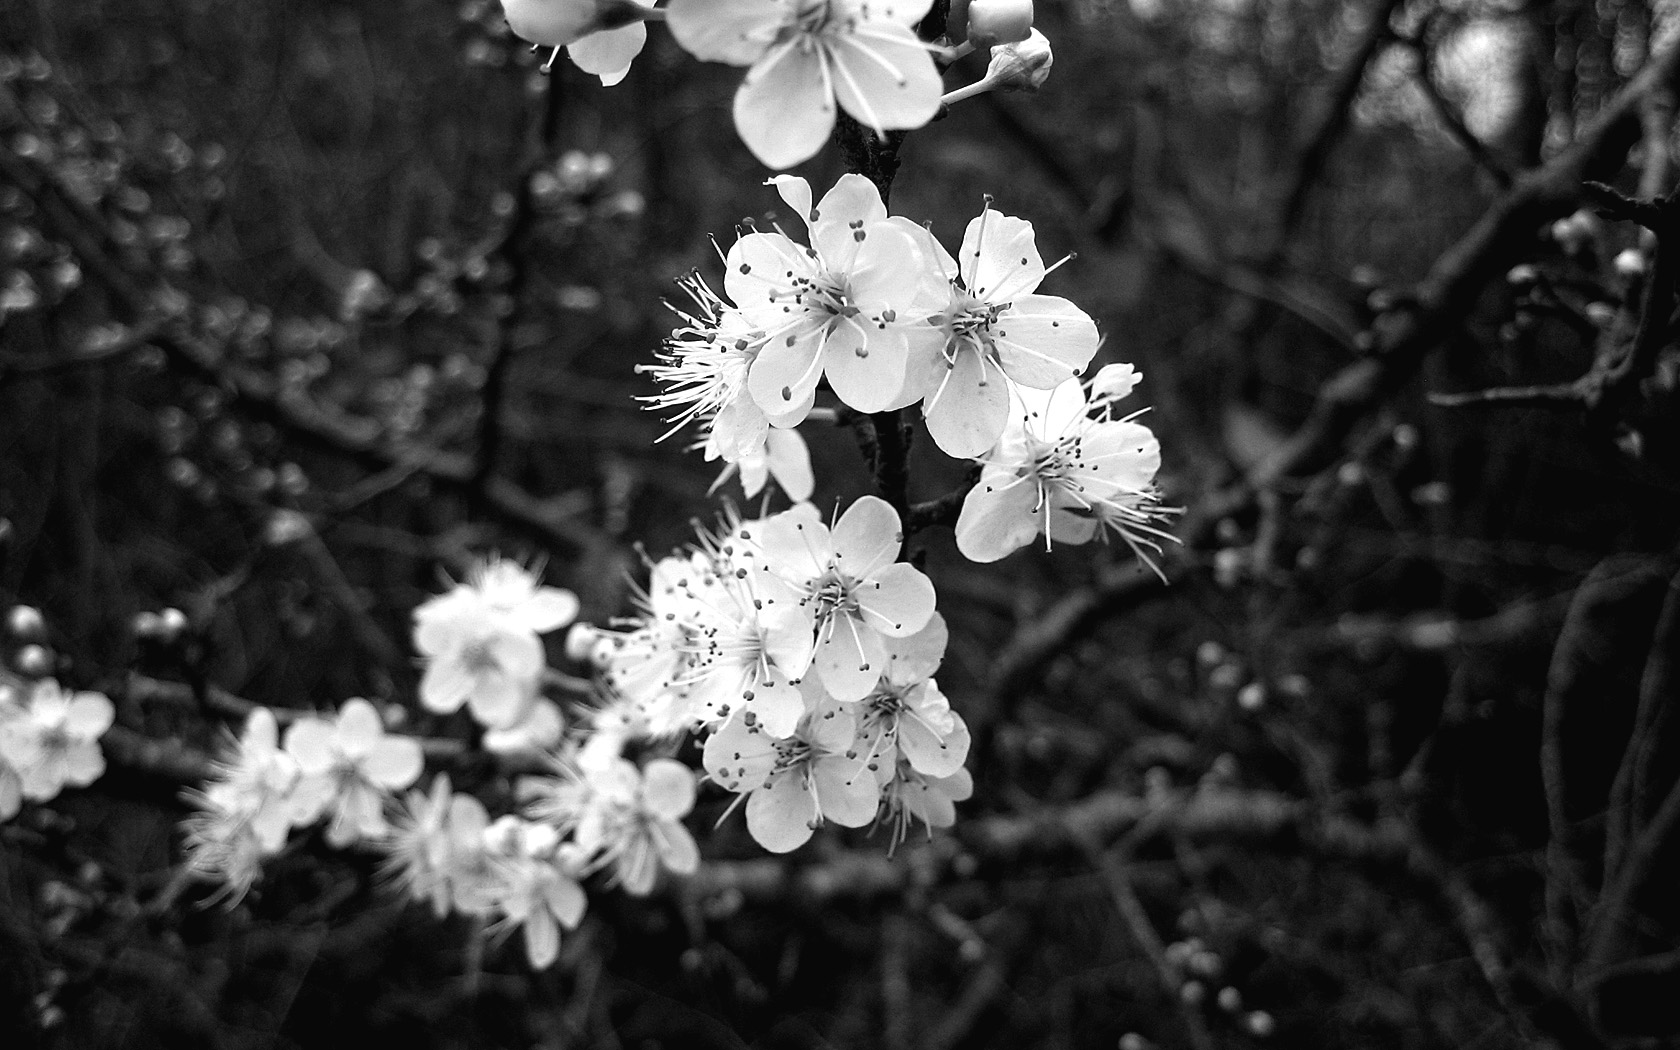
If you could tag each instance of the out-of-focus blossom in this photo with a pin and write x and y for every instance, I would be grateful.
(352, 766)
(51, 740)
(480, 641)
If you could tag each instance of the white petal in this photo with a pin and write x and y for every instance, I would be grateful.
(796, 192)
(999, 516)
(885, 76)
(310, 743)
(790, 462)
(780, 817)
(851, 205)
(1000, 257)
(394, 763)
(610, 52)
(846, 790)
(1044, 340)
(898, 600)
(967, 414)
(783, 110)
(867, 537)
(732, 31)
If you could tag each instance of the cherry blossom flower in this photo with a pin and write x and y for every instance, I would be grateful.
(988, 331)
(830, 309)
(258, 782)
(751, 639)
(911, 796)
(631, 820)
(436, 850)
(480, 641)
(536, 888)
(906, 714)
(805, 55)
(1067, 473)
(352, 765)
(855, 590)
(794, 784)
(53, 741)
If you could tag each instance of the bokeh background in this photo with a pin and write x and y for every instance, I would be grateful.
(1389, 761)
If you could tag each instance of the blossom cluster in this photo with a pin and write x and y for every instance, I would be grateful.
(49, 740)
(342, 769)
(806, 60)
(805, 655)
(876, 308)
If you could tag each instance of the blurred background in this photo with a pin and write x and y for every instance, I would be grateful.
(301, 304)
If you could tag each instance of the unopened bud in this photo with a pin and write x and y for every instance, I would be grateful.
(1600, 313)
(1630, 262)
(171, 622)
(1115, 381)
(25, 622)
(993, 22)
(1022, 66)
(286, 527)
(33, 660)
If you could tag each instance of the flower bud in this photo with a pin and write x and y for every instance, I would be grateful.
(993, 22)
(1630, 262)
(25, 622)
(34, 661)
(1023, 66)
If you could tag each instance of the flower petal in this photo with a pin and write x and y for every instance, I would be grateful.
(864, 363)
(851, 659)
(667, 789)
(999, 516)
(1043, 340)
(966, 414)
(394, 763)
(310, 743)
(867, 537)
(789, 462)
(885, 76)
(609, 52)
(846, 790)
(781, 816)
(731, 31)
(898, 600)
(1000, 257)
(784, 110)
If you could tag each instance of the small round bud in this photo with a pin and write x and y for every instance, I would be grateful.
(35, 661)
(993, 22)
(1630, 262)
(25, 622)
(286, 527)
(171, 622)
(1405, 437)
(1133, 1041)
(1193, 992)
(1601, 313)
(147, 624)
(1251, 697)
(1230, 1000)
(1260, 1024)
(1523, 274)
(1209, 653)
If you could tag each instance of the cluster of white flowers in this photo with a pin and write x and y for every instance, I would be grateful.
(344, 769)
(49, 740)
(806, 656)
(806, 59)
(875, 306)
